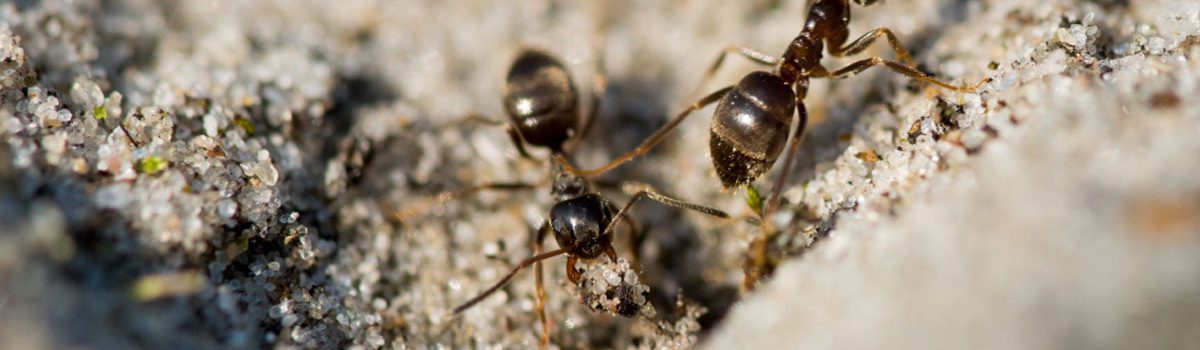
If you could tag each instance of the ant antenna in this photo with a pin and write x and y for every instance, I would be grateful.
(442, 198)
(649, 143)
(503, 281)
(648, 192)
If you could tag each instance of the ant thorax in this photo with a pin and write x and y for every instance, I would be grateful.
(567, 185)
(801, 56)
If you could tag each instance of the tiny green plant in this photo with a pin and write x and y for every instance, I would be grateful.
(753, 199)
(152, 165)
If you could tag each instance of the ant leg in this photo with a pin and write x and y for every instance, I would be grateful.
(758, 264)
(447, 196)
(786, 171)
(647, 192)
(751, 54)
(599, 86)
(611, 253)
(635, 233)
(540, 286)
(867, 39)
(858, 67)
(524, 263)
(606, 184)
(649, 143)
(572, 273)
(517, 140)
(635, 239)
(473, 118)
(513, 134)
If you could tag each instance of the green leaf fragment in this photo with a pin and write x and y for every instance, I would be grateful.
(151, 165)
(753, 199)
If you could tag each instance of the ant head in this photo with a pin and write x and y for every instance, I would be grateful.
(541, 100)
(579, 224)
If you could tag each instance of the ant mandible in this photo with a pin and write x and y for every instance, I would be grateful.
(750, 125)
(542, 104)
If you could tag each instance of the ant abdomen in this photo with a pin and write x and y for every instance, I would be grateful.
(750, 128)
(540, 97)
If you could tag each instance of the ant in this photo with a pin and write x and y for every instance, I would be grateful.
(751, 123)
(542, 104)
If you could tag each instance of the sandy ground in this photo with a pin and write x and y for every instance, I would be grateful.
(224, 174)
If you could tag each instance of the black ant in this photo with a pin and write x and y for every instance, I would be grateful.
(751, 124)
(542, 104)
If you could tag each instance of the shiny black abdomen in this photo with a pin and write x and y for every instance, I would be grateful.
(579, 224)
(750, 128)
(540, 98)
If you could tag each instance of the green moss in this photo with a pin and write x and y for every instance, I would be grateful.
(100, 112)
(151, 165)
(245, 124)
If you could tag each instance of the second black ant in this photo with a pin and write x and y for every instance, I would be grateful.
(542, 104)
(752, 120)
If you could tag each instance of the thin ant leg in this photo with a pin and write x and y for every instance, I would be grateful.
(751, 54)
(473, 118)
(572, 274)
(858, 67)
(867, 39)
(648, 192)
(540, 286)
(607, 184)
(513, 134)
(635, 238)
(649, 143)
(517, 140)
(447, 196)
(793, 149)
(756, 261)
(758, 248)
(750, 219)
(611, 253)
(599, 86)
(525, 263)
